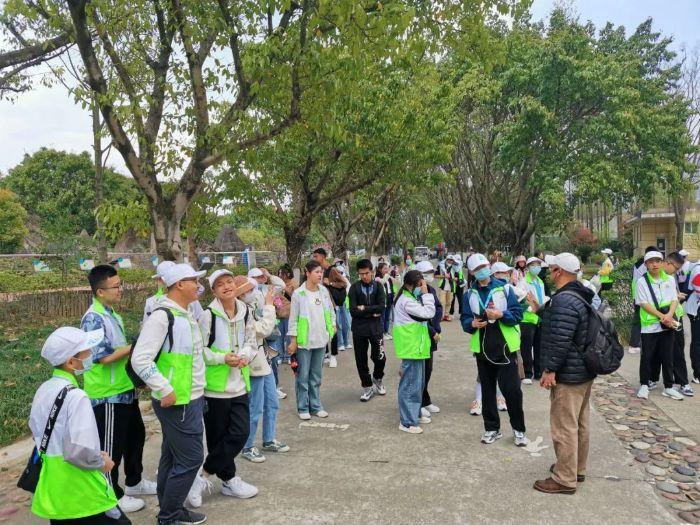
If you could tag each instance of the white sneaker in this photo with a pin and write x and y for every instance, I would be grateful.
(520, 439)
(201, 484)
(673, 394)
(321, 414)
(433, 409)
(501, 404)
(305, 416)
(634, 349)
(280, 394)
(326, 359)
(341, 348)
(348, 346)
(333, 362)
(379, 386)
(130, 504)
(695, 380)
(424, 420)
(238, 488)
(411, 430)
(367, 394)
(653, 385)
(424, 412)
(389, 338)
(527, 381)
(643, 392)
(145, 488)
(491, 436)
(686, 390)
(475, 409)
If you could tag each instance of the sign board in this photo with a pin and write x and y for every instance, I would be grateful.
(87, 264)
(154, 261)
(205, 259)
(124, 263)
(228, 260)
(40, 266)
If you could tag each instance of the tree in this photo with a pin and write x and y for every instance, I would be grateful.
(568, 117)
(59, 188)
(13, 218)
(184, 85)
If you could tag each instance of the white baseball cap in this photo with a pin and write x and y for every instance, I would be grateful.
(566, 261)
(683, 253)
(65, 342)
(458, 257)
(425, 267)
(476, 260)
(255, 272)
(533, 260)
(450, 256)
(178, 272)
(215, 275)
(653, 255)
(161, 268)
(606, 251)
(500, 267)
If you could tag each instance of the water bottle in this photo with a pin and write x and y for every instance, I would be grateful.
(491, 305)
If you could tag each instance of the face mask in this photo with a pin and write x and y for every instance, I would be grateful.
(483, 274)
(535, 270)
(87, 365)
(501, 276)
(248, 297)
(200, 290)
(417, 292)
(428, 277)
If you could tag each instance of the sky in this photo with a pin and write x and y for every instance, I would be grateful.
(48, 117)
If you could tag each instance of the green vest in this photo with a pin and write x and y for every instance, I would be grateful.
(303, 319)
(510, 333)
(217, 375)
(106, 380)
(532, 317)
(176, 363)
(65, 491)
(647, 319)
(452, 283)
(411, 338)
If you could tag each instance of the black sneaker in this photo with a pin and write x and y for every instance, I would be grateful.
(188, 517)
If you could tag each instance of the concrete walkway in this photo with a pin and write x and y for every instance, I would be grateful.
(356, 467)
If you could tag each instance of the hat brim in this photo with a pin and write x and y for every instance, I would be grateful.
(91, 339)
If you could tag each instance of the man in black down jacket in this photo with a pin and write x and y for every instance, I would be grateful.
(564, 329)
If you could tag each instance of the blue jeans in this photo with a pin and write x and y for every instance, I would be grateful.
(263, 402)
(386, 318)
(411, 391)
(343, 322)
(308, 382)
(282, 343)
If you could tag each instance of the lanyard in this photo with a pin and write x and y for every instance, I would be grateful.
(484, 304)
(538, 289)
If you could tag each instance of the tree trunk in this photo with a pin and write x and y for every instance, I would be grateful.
(166, 231)
(295, 234)
(679, 204)
(99, 182)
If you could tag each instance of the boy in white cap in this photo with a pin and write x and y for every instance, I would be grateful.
(657, 297)
(491, 313)
(73, 484)
(169, 358)
(228, 333)
(111, 391)
(152, 302)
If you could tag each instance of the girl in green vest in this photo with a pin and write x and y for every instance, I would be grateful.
(414, 307)
(311, 327)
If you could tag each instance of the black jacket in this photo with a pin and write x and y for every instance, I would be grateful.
(564, 328)
(368, 321)
(434, 324)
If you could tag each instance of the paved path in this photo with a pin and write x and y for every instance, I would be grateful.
(356, 467)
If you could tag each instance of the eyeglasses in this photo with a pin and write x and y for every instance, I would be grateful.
(116, 287)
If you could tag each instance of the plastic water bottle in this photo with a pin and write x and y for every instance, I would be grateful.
(491, 305)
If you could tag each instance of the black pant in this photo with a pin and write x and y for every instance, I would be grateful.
(695, 344)
(657, 346)
(457, 297)
(122, 435)
(680, 369)
(636, 332)
(360, 344)
(428, 371)
(227, 422)
(507, 378)
(97, 519)
(181, 455)
(530, 350)
(334, 345)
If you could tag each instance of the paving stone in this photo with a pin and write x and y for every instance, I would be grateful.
(688, 517)
(685, 506)
(640, 445)
(675, 445)
(642, 457)
(686, 471)
(686, 441)
(662, 463)
(620, 427)
(664, 486)
(675, 476)
(655, 471)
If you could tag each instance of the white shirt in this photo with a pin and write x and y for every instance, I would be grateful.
(318, 336)
(665, 291)
(152, 304)
(691, 305)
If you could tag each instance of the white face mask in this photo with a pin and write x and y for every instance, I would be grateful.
(248, 297)
(429, 277)
(87, 365)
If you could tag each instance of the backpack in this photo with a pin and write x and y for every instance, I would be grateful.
(135, 378)
(602, 352)
(212, 330)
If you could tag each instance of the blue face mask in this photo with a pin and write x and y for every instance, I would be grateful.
(417, 292)
(87, 365)
(535, 270)
(483, 274)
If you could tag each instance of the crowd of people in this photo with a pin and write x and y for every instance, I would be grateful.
(215, 368)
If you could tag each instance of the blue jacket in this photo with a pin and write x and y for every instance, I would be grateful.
(511, 316)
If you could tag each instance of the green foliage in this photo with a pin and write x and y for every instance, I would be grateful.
(13, 218)
(620, 298)
(13, 281)
(59, 188)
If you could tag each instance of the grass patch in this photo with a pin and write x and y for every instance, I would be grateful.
(22, 370)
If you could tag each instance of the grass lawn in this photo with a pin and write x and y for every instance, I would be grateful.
(22, 370)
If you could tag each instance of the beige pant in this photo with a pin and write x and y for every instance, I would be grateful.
(445, 297)
(569, 419)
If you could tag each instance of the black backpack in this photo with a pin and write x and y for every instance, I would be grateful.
(135, 378)
(212, 330)
(602, 352)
